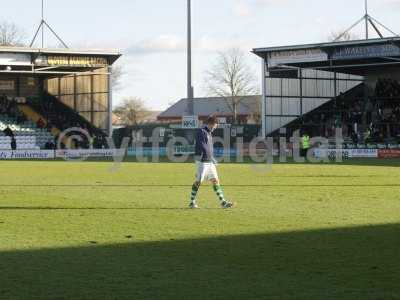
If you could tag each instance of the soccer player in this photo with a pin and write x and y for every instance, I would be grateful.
(205, 164)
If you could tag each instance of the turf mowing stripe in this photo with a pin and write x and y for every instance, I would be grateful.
(186, 186)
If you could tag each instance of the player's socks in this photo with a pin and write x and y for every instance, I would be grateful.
(193, 195)
(220, 193)
(193, 205)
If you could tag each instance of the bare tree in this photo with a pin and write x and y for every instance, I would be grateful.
(341, 36)
(231, 78)
(257, 111)
(116, 77)
(132, 111)
(11, 35)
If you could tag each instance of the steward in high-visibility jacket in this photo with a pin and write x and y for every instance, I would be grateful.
(305, 144)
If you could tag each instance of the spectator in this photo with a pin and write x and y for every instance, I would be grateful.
(40, 123)
(10, 133)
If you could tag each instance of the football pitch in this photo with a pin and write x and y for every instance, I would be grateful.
(300, 231)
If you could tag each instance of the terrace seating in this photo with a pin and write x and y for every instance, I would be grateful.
(26, 133)
(62, 117)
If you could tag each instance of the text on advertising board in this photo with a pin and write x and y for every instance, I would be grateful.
(53, 60)
(366, 51)
(296, 56)
(6, 85)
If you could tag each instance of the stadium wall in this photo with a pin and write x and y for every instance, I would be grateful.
(19, 85)
(291, 94)
(87, 94)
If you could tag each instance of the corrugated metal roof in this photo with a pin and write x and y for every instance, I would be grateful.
(211, 105)
(64, 51)
(260, 51)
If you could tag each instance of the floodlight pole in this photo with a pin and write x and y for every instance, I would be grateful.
(42, 24)
(189, 59)
(366, 20)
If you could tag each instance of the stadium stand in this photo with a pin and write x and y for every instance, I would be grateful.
(27, 134)
(349, 111)
(43, 92)
(348, 85)
(54, 116)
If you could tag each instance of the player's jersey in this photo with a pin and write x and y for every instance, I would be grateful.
(204, 145)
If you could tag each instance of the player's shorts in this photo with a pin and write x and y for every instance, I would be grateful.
(206, 171)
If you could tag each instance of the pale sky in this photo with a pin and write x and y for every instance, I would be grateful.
(151, 34)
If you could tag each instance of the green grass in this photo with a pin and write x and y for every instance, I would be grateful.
(79, 231)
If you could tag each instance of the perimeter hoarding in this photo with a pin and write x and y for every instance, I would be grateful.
(346, 153)
(27, 154)
(64, 154)
(389, 153)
